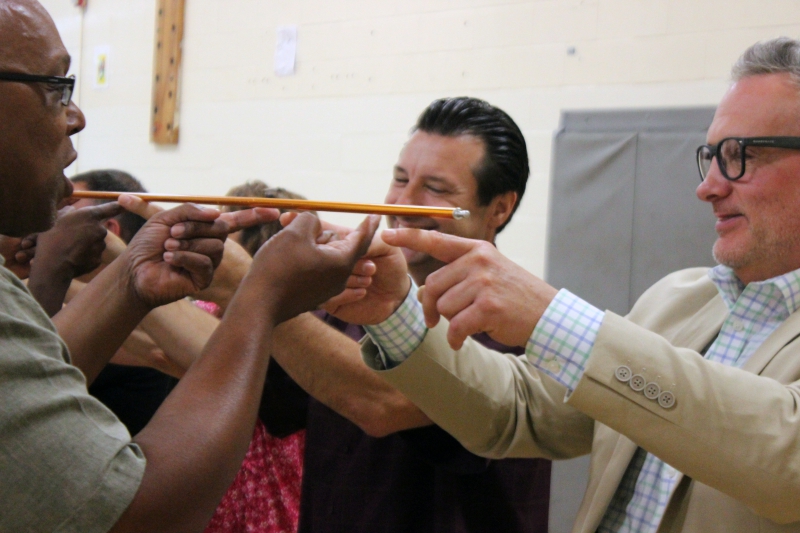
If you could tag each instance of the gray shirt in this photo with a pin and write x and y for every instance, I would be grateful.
(66, 463)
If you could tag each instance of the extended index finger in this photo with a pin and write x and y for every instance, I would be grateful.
(443, 247)
(137, 206)
(246, 218)
(102, 211)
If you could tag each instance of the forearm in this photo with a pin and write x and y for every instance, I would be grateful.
(327, 364)
(181, 330)
(48, 288)
(99, 319)
(197, 439)
(512, 409)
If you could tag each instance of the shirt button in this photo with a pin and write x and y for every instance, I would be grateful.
(671, 472)
(553, 366)
(652, 390)
(666, 399)
(623, 373)
(637, 382)
(738, 326)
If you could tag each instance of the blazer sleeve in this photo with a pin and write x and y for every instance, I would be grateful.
(498, 405)
(725, 427)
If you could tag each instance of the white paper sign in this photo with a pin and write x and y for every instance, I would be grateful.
(286, 50)
(101, 54)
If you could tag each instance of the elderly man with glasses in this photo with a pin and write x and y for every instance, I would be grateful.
(67, 463)
(690, 406)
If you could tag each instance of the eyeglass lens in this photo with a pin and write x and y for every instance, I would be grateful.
(66, 95)
(729, 158)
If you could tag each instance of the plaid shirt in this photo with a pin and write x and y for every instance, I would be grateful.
(562, 342)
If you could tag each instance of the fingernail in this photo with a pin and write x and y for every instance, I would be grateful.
(177, 230)
(389, 232)
(172, 244)
(168, 256)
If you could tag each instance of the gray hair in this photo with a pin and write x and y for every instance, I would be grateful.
(774, 56)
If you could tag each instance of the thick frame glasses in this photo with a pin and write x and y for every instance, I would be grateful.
(68, 83)
(731, 153)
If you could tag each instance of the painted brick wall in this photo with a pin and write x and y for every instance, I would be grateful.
(366, 68)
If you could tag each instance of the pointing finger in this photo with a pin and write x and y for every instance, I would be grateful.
(136, 205)
(441, 246)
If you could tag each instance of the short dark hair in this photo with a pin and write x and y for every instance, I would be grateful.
(505, 165)
(115, 180)
(254, 237)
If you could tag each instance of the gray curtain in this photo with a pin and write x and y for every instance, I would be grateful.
(623, 214)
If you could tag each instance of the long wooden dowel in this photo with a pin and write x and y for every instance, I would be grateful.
(284, 203)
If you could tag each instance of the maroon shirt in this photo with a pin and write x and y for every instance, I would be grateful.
(415, 481)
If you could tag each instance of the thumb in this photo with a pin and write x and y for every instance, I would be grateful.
(361, 238)
(441, 246)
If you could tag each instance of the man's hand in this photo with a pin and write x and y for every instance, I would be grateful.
(175, 253)
(378, 285)
(299, 273)
(479, 290)
(17, 260)
(74, 245)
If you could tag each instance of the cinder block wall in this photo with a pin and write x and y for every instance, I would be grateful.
(366, 68)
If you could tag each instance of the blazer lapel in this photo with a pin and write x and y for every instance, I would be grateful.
(699, 330)
(786, 333)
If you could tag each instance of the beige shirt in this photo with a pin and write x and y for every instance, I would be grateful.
(67, 464)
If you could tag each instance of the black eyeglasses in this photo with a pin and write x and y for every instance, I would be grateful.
(730, 153)
(67, 83)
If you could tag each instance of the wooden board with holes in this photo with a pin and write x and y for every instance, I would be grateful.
(165, 111)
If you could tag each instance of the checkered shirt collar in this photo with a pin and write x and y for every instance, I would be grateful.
(731, 287)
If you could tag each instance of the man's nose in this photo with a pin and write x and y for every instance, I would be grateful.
(75, 119)
(715, 185)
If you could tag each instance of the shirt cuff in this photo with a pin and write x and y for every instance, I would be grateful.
(402, 333)
(562, 341)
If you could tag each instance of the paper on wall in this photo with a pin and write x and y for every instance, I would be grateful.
(286, 50)
(101, 54)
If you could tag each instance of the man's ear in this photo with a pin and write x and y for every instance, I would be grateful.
(501, 208)
(112, 225)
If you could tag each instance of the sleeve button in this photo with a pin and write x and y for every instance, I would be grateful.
(637, 382)
(652, 390)
(623, 373)
(666, 399)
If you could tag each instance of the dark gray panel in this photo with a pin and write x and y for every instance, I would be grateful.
(609, 251)
(672, 228)
(591, 214)
(639, 120)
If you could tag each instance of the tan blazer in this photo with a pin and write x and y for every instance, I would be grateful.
(733, 435)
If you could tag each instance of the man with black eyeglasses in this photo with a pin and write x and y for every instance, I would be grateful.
(691, 402)
(67, 463)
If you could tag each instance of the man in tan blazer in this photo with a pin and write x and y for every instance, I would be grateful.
(690, 406)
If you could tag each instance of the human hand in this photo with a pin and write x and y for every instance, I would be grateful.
(17, 260)
(361, 276)
(376, 288)
(175, 253)
(480, 290)
(298, 272)
(74, 245)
